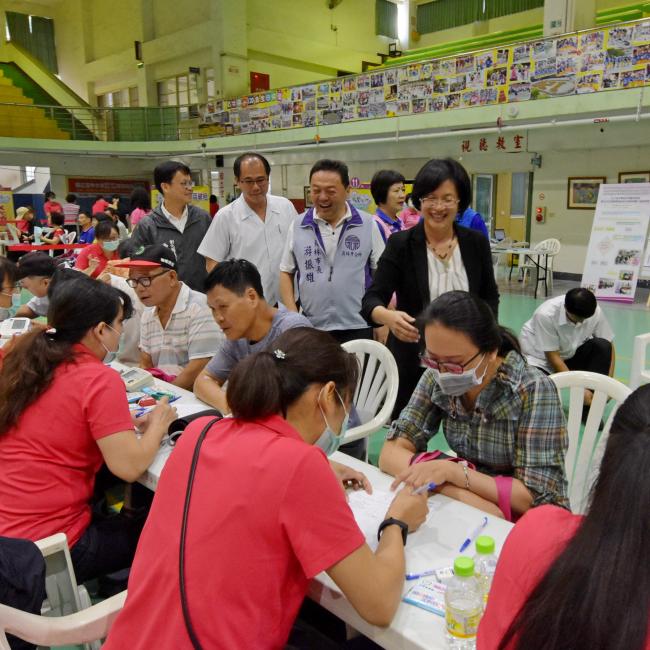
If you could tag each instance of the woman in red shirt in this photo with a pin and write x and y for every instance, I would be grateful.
(92, 260)
(51, 205)
(62, 414)
(266, 513)
(567, 581)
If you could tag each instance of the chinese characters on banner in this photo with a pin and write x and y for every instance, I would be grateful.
(494, 143)
(617, 242)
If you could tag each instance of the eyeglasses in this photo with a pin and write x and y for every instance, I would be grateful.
(452, 368)
(447, 202)
(146, 280)
(187, 184)
(250, 182)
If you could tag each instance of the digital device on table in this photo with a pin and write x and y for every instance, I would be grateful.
(159, 394)
(136, 378)
(499, 234)
(12, 326)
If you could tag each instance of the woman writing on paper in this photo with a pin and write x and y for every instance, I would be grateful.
(266, 513)
(588, 584)
(498, 413)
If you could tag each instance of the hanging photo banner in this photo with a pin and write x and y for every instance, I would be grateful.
(6, 207)
(106, 187)
(607, 58)
(618, 240)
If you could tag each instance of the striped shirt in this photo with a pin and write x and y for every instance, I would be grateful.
(191, 332)
(517, 427)
(70, 214)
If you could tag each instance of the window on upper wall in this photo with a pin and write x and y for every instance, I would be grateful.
(446, 14)
(34, 34)
(386, 18)
(181, 91)
(134, 97)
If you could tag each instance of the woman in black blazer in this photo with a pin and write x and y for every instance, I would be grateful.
(419, 264)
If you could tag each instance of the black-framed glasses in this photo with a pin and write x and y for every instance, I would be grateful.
(452, 368)
(145, 280)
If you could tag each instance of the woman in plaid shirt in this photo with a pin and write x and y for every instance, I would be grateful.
(499, 414)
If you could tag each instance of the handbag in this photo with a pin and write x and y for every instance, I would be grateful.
(177, 427)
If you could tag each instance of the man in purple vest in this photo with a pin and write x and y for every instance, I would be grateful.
(333, 248)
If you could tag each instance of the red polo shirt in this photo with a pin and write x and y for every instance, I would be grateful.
(267, 515)
(94, 250)
(49, 458)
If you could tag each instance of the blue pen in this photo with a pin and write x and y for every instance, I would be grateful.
(429, 487)
(417, 576)
(474, 534)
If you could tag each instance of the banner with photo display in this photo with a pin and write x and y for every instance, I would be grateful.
(617, 242)
(609, 58)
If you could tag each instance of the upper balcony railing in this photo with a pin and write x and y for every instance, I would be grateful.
(606, 58)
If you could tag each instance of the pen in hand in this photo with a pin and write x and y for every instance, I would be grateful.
(429, 487)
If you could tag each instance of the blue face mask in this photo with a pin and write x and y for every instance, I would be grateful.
(110, 354)
(329, 442)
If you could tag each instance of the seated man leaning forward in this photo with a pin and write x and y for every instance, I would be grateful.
(178, 335)
(570, 333)
(236, 298)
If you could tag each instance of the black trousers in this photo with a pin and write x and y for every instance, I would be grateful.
(594, 355)
(343, 336)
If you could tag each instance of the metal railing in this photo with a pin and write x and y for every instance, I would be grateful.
(146, 124)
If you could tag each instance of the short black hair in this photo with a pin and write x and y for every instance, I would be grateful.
(250, 154)
(57, 218)
(434, 173)
(49, 195)
(71, 198)
(36, 263)
(101, 216)
(381, 182)
(580, 302)
(329, 165)
(236, 276)
(104, 227)
(165, 172)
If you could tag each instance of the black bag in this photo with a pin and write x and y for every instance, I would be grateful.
(177, 427)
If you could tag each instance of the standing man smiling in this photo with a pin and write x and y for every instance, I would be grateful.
(254, 227)
(334, 248)
(176, 223)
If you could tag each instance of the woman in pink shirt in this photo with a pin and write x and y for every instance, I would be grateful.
(567, 581)
(409, 215)
(140, 202)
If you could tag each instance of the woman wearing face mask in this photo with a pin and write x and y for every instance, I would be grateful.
(9, 292)
(62, 414)
(496, 411)
(92, 260)
(266, 513)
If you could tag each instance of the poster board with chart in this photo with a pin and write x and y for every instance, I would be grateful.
(615, 255)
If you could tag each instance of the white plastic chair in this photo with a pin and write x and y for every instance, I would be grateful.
(88, 625)
(549, 248)
(639, 373)
(376, 392)
(585, 452)
(64, 595)
(69, 237)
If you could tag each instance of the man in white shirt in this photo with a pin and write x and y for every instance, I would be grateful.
(569, 333)
(254, 227)
(178, 334)
(334, 248)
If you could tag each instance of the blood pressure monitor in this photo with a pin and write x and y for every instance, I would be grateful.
(135, 378)
(13, 326)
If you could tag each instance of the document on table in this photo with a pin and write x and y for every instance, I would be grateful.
(370, 510)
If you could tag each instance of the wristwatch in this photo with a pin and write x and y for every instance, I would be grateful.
(390, 522)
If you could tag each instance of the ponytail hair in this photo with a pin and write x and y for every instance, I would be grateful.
(462, 312)
(596, 593)
(268, 382)
(77, 304)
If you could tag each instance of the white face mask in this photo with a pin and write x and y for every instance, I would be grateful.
(456, 385)
(10, 312)
(329, 441)
(111, 355)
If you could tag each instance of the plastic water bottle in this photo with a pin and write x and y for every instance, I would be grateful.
(485, 564)
(463, 605)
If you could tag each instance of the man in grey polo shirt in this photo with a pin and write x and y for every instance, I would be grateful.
(236, 298)
(254, 227)
(178, 334)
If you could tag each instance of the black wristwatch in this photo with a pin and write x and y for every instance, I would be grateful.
(390, 522)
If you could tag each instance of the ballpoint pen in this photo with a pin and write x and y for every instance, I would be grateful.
(474, 534)
(429, 487)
